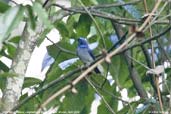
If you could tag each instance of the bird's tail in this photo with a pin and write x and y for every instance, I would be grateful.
(99, 69)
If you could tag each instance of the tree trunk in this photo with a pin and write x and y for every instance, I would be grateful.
(14, 84)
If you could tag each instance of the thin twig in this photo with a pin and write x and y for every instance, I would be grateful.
(152, 56)
(61, 48)
(106, 15)
(147, 40)
(65, 88)
(107, 71)
(47, 86)
(106, 103)
(45, 3)
(114, 4)
(111, 94)
(97, 26)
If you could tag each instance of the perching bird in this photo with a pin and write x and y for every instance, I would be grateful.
(85, 53)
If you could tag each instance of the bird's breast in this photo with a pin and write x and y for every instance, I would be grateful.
(84, 55)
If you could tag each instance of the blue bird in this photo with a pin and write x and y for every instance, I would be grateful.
(85, 53)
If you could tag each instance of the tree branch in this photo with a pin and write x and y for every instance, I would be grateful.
(84, 74)
(104, 15)
(20, 62)
(50, 84)
(104, 100)
(133, 72)
(114, 5)
(147, 40)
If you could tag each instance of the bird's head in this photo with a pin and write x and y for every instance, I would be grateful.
(82, 42)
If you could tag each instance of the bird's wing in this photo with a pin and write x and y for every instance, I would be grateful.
(91, 53)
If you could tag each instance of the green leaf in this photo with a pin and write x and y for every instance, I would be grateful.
(3, 67)
(31, 17)
(3, 77)
(83, 25)
(80, 102)
(133, 11)
(15, 39)
(2, 83)
(30, 105)
(11, 50)
(7, 74)
(65, 45)
(42, 14)
(119, 71)
(29, 81)
(129, 108)
(10, 20)
(107, 92)
(106, 1)
(3, 7)
(62, 28)
(88, 2)
(43, 36)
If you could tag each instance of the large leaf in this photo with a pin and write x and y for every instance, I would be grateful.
(9, 20)
(83, 25)
(42, 14)
(108, 92)
(3, 67)
(31, 105)
(55, 71)
(11, 50)
(81, 101)
(131, 10)
(2, 83)
(42, 36)
(29, 81)
(3, 6)
(31, 17)
(62, 28)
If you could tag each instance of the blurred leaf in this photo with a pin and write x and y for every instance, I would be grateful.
(131, 91)
(42, 36)
(2, 83)
(30, 105)
(129, 108)
(29, 81)
(65, 45)
(47, 61)
(3, 67)
(119, 71)
(9, 20)
(80, 102)
(11, 50)
(3, 6)
(15, 39)
(106, 1)
(7, 74)
(131, 10)
(31, 17)
(168, 71)
(3, 77)
(83, 25)
(62, 28)
(55, 71)
(88, 2)
(53, 50)
(110, 91)
(42, 14)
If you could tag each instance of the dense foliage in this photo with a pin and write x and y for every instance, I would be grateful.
(134, 68)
